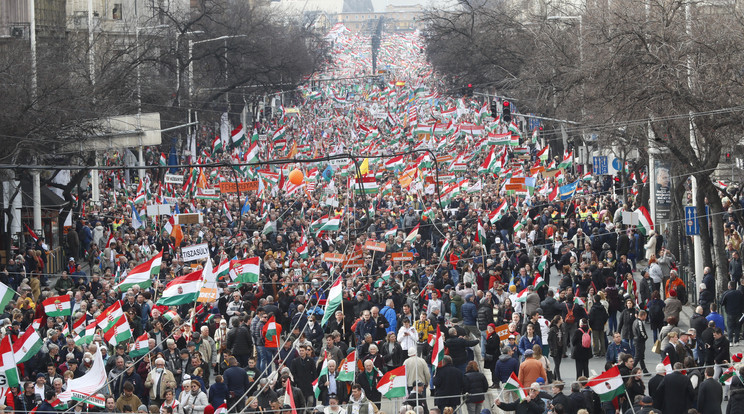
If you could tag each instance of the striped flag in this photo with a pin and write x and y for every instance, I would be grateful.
(8, 364)
(513, 384)
(118, 332)
(334, 300)
(140, 346)
(58, 306)
(182, 290)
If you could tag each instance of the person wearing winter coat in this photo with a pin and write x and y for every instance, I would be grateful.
(710, 394)
(505, 366)
(449, 383)
(555, 343)
(476, 385)
(676, 392)
(598, 318)
(650, 245)
(194, 401)
(625, 324)
(533, 404)
(581, 354)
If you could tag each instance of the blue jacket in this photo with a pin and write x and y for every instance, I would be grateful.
(525, 343)
(389, 314)
(505, 366)
(218, 394)
(718, 319)
(236, 380)
(363, 328)
(614, 350)
(469, 313)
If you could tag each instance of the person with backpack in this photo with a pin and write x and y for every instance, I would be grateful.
(598, 318)
(582, 348)
(571, 313)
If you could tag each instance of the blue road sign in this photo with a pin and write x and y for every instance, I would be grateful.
(692, 226)
(600, 165)
(617, 164)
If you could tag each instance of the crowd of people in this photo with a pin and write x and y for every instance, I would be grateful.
(477, 267)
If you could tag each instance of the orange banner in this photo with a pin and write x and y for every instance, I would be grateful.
(333, 257)
(375, 246)
(353, 264)
(229, 187)
(503, 331)
(402, 257)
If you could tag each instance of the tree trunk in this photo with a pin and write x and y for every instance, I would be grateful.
(719, 243)
(703, 222)
(675, 227)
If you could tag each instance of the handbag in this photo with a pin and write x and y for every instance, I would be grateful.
(657, 347)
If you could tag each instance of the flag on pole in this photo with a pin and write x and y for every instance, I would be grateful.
(667, 365)
(608, 385)
(347, 367)
(142, 274)
(182, 290)
(412, 235)
(27, 345)
(539, 281)
(118, 332)
(437, 345)
(8, 364)
(140, 346)
(480, 235)
(6, 295)
(323, 371)
(245, 271)
(543, 261)
(58, 306)
(513, 384)
(110, 315)
(334, 300)
(289, 396)
(393, 383)
(390, 233)
(645, 222)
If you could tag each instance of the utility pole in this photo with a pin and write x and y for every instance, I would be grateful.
(376, 40)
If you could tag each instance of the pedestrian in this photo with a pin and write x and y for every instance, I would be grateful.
(582, 350)
(640, 336)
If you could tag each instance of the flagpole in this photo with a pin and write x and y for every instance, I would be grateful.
(629, 401)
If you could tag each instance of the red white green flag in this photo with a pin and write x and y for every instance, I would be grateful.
(608, 385)
(58, 306)
(139, 347)
(118, 332)
(393, 383)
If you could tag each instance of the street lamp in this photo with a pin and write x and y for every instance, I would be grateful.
(191, 62)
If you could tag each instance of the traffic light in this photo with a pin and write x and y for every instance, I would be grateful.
(506, 112)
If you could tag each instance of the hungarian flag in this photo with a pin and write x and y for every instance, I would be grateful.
(58, 306)
(118, 332)
(289, 396)
(539, 281)
(111, 236)
(222, 409)
(182, 290)
(170, 315)
(384, 277)
(728, 375)
(271, 332)
(393, 383)
(412, 235)
(390, 233)
(331, 225)
(480, 235)
(31, 233)
(513, 384)
(333, 301)
(667, 365)
(216, 144)
(88, 334)
(347, 367)
(645, 222)
(302, 248)
(162, 161)
(27, 345)
(79, 325)
(142, 274)
(323, 371)
(139, 347)
(109, 316)
(237, 136)
(522, 296)
(223, 269)
(543, 261)
(445, 247)
(394, 163)
(437, 346)
(608, 385)
(499, 212)
(6, 295)
(245, 271)
(8, 363)
(543, 154)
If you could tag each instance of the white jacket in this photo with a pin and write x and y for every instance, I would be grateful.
(191, 404)
(407, 341)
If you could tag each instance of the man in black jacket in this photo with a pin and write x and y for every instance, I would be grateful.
(732, 300)
(560, 398)
(449, 384)
(367, 379)
(239, 340)
(710, 394)
(597, 319)
(236, 380)
(457, 346)
(304, 373)
(639, 339)
(675, 391)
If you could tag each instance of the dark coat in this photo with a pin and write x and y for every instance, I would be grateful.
(536, 406)
(241, 342)
(676, 393)
(625, 323)
(563, 400)
(736, 397)
(450, 384)
(304, 373)
(598, 317)
(698, 322)
(476, 385)
(505, 366)
(710, 396)
(671, 351)
(458, 349)
(340, 390)
(370, 390)
(396, 356)
(579, 352)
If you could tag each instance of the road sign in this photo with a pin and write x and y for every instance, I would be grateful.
(600, 165)
(692, 225)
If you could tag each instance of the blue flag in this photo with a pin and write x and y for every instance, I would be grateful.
(246, 207)
(567, 191)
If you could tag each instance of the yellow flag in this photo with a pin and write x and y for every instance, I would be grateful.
(364, 167)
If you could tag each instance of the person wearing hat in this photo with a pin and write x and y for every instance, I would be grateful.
(417, 370)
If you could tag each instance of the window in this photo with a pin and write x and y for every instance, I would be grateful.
(116, 14)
